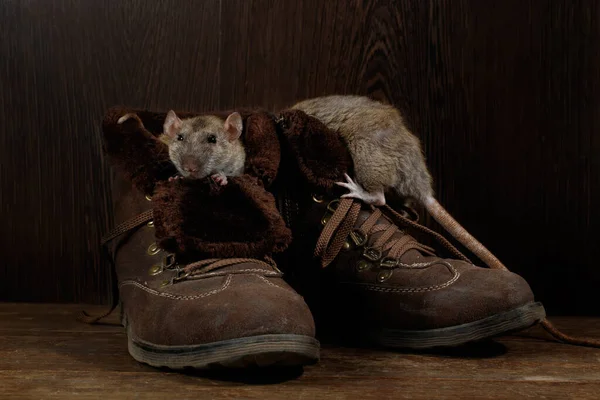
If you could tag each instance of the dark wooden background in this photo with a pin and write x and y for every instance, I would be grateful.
(504, 94)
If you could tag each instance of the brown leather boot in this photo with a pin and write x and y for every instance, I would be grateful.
(363, 273)
(196, 283)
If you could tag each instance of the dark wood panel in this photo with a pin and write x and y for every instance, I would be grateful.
(512, 136)
(44, 353)
(63, 64)
(505, 96)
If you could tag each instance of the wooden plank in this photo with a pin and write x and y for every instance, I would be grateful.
(160, 385)
(44, 353)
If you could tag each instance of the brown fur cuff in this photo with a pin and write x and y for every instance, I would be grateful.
(201, 219)
(318, 153)
(197, 218)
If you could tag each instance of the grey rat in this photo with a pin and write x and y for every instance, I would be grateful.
(205, 146)
(386, 155)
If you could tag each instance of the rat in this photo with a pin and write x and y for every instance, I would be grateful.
(205, 146)
(386, 155)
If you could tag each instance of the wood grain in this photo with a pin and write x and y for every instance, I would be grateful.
(64, 63)
(44, 353)
(504, 95)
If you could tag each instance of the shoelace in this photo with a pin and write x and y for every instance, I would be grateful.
(199, 268)
(189, 271)
(339, 227)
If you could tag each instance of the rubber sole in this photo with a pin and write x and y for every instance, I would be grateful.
(496, 325)
(254, 351)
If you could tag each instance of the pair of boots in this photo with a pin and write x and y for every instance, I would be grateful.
(195, 262)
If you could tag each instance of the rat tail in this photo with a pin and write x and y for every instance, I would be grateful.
(446, 220)
(453, 227)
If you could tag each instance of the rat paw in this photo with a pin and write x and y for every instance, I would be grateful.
(220, 179)
(175, 178)
(359, 193)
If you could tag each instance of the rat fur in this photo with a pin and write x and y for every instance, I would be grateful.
(386, 155)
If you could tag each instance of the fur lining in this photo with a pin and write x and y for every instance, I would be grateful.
(319, 154)
(197, 218)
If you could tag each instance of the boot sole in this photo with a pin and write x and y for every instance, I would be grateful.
(496, 325)
(247, 352)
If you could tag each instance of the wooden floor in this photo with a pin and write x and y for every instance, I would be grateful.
(46, 354)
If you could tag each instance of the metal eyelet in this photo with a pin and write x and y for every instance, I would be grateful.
(169, 261)
(155, 269)
(165, 283)
(362, 265)
(317, 198)
(332, 203)
(153, 249)
(384, 275)
(181, 277)
(388, 263)
(148, 197)
(347, 246)
(371, 253)
(150, 224)
(325, 219)
(358, 237)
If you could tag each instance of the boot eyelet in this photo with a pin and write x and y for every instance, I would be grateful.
(169, 261)
(150, 224)
(347, 246)
(362, 265)
(165, 283)
(325, 219)
(358, 237)
(317, 198)
(371, 253)
(384, 276)
(181, 277)
(155, 269)
(333, 205)
(153, 249)
(148, 197)
(388, 263)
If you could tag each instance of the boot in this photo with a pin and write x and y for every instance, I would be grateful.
(195, 279)
(365, 276)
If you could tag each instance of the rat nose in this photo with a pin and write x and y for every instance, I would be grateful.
(190, 166)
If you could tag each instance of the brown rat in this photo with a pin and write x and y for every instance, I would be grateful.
(205, 146)
(386, 155)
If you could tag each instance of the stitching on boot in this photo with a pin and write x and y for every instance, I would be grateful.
(177, 297)
(241, 271)
(410, 290)
(274, 285)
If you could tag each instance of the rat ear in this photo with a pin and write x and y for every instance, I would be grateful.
(233, 126)
(172, 124)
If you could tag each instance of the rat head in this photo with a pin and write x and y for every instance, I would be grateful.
(204, 145)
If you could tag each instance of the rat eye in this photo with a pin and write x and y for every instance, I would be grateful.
(180, 137)
(212, 139)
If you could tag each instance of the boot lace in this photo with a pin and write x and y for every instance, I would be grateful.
(388, 247)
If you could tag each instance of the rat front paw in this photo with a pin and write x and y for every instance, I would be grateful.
(220, 179)
(174, 178)
(355, 191)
